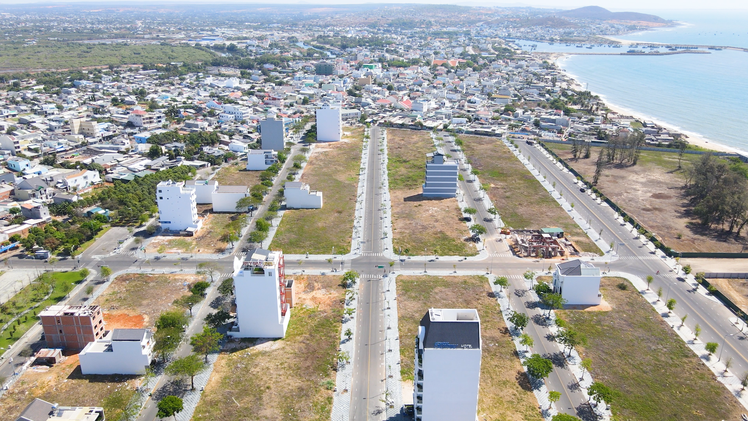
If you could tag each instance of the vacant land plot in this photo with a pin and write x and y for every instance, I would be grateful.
(332, 169)
(652, 372)
(520, 199)
(210, 238)
(132, 296)
(49, 289)
(287, 379)
(735, 289)
(431, 225)
(72, 55)
(651, 192)
(502, 395)
(64, 384)
(234, 174)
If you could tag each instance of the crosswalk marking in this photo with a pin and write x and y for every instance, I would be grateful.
(369, 253)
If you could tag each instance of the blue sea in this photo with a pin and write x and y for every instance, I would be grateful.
(702, 94)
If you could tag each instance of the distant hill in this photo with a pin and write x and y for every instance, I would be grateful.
(599, 13)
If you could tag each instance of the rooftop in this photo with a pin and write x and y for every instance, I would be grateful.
(451, 328)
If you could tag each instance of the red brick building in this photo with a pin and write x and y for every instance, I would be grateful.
(72, 327)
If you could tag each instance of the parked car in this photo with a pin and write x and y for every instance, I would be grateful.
(583, 190)
(467, 219)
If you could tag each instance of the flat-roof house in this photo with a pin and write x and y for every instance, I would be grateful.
(299, 196)
(578, 282)
(121, 351)
(41, 410)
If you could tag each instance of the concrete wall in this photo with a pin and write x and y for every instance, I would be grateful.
(302, 199)
(329, 124)
(258, 312)
(126, 357)
(450, 386)
(578, 290)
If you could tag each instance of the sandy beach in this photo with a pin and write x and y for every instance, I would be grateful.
(694, 139)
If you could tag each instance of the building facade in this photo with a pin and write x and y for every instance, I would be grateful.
(177, 207)
(447, 365)
(225, 198)
(578, 282)
(441, 177)
(41, 410)
(261, 159)
(329, 123)
(273, 134)
(299, 196)
(262, 310)
(121, 351)
(72, 327)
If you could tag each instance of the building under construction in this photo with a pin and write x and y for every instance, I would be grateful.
(541, 244)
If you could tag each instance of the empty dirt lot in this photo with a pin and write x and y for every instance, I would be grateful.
(651, 191)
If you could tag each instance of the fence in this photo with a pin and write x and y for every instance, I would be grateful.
(726, 275)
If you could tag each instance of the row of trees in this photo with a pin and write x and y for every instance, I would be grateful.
(64, 237)
(718, 191)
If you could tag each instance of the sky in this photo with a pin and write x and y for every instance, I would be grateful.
(613, 5)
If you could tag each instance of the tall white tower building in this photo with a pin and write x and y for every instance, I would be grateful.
(447, 365)
(177, 206)
(273, 134)
(262, 308)
(329, 123)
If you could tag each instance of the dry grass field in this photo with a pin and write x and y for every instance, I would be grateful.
(520, 199)
(332, 169)
(422, 226)
(504, 390)
(651, 192)
(286, 379)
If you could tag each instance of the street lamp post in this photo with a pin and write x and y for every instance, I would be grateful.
(724, 342)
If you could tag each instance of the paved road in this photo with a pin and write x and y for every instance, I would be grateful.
(367, 387)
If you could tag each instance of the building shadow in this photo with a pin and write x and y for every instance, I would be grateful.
(420, 198)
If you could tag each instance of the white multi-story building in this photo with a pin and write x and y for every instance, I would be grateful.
(261, 289)
(578, 282)
(447, 365)
(329, 123)
(177, 207)
(225, 198)
(260, 160)
(273, 134)
(204, 190)
(234, 112)
(121, 351)
(140, 118)
(441, 177)
(299, 196)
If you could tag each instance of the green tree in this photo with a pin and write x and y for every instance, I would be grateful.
(553, 301)
(199, 288)
(564, 417)
(711, 347)
(600, 392)
(188, 301)
(519, 320)
(501, 281)
(478, 229)
(529, 275)
(209, 269)
(217, 319)
(697, 331)
(571, 338)
(188, 366)
(172, 319)
(166, 341)
(169, 406)
(671, 304)
(553, 397)
(470, 211)
(154, 152)
(206, 342)
(349, 278)
(526, 340)
(538, 367)
(226, 287)
(106, 272)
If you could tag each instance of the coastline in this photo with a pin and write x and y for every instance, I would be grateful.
(692, 138)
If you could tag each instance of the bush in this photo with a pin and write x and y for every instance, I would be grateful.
(623, 286)
(257, 236)
(687, 269)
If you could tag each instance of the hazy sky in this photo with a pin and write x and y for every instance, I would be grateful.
(614, 5)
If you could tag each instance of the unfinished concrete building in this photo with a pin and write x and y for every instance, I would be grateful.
(536, 244)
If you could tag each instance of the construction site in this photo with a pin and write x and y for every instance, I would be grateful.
(546, 243)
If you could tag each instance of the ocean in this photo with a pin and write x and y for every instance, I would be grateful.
(702, 94)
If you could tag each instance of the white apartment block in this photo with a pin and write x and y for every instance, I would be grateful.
(234, 112)
(204, 190)
(441, 177)
(140, 118)
(177, 207)
(329, 123)
(447, 365)
(273, 134)
(121, 351)
(261, 290)
(299, 196)
(578, 282)
(260, 160)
